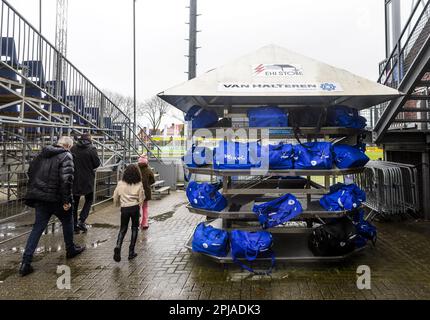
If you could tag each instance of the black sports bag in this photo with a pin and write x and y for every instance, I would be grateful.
(335, 238)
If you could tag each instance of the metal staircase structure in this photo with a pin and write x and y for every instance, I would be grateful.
(402, 126)
(43, 96)
(407, 69)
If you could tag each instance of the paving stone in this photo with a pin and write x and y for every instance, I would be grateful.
(164, 269)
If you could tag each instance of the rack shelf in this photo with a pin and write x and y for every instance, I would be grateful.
(310, 211)
(209, 170)
(291, 246)
(284, 132)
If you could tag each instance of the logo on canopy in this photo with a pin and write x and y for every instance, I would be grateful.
(279, 69)
(328, 86)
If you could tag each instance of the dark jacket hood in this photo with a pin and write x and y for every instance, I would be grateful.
(52, 151)
(82, 143)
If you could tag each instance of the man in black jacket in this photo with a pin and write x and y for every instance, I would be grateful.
(86, 162)
(50, 193)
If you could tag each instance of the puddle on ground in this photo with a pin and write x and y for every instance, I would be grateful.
(39, 250)
(103, 226)
(169, 214)
(98, 243)
(8, 226)
(163, 217)
(181, 204)
(5, 235)
(4, 274)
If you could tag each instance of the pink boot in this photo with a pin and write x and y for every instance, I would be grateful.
(144, 210)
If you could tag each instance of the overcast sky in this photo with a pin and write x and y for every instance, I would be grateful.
(345, 33)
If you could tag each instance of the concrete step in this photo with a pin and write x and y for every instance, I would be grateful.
(180, 186)
(161, 191)
(158, 183)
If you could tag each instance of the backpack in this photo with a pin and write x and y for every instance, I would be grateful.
(343, 116)
(343, 197)
(313, 155)
(281, 156)
(307, 117)
(335, 238)
(249, 246)
(206, 196)
(201, 118)
(210, 240)
(346, 156)
(236, 155)
(268, 116)
(278, 211)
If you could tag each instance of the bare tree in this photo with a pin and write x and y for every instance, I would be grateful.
(124, 103)
(154, 110)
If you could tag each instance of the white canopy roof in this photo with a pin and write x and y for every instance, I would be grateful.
(274, 75)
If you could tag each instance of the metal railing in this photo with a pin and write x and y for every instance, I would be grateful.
(45, 96)
(391, 188)
(394, 69)
(13, 187)
(66, 98)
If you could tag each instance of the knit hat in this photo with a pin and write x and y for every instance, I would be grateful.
(143, 159)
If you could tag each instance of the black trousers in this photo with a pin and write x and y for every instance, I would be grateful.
(85, 210)
(127, 214)
(44, 212)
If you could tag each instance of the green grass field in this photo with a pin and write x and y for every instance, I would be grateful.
(375, 154)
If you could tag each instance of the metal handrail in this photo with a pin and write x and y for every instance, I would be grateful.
(32, 45)
(398, 48)
(150, 139)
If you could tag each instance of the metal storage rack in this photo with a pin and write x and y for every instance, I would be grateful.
(290, 240)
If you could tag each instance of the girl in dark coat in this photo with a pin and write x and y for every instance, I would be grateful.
(148, 180)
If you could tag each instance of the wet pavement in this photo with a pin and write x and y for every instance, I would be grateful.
(164, 269)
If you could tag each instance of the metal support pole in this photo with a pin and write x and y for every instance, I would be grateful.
(134, 73)
(192, 53)
(40, 31)
(426, 184)
(393, 27)
(40, 16)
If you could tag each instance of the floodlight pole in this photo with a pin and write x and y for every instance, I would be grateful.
(40, 16)
(134, 74)
(192, 51)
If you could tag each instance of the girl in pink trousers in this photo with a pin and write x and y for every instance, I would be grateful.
(148, 180)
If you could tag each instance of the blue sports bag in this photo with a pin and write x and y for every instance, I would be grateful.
(278, 211)
(281, 156)
(268, 116)
(346, 156)
(201, 118)
(343, 197)
(197, 157)
(343, 116)
(249, 246)
(210, 240)
(366, 231)
(206, 196)
(236, 155)
(313, 155)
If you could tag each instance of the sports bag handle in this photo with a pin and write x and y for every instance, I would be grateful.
(258, 273)
(264, 226)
